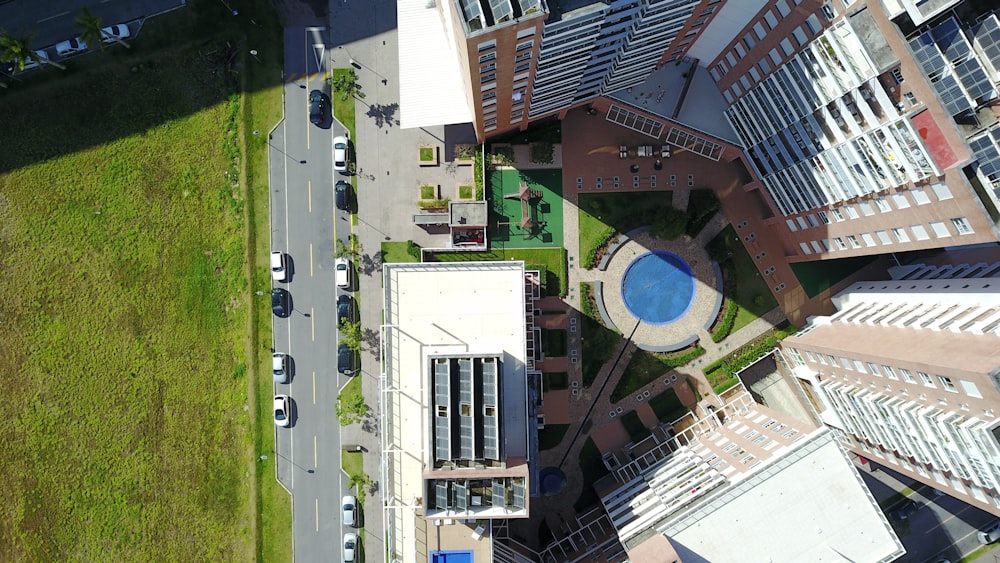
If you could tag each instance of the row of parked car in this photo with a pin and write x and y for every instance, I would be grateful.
(66, 48)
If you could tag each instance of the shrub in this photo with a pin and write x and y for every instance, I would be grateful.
(725, 386)
(542, 153)
(669, 224)
(413, 249)
(503, 155)
(464, 152)
(591, 258)
(434, 203)
(726, 367)
(725, 326)
(477, 172)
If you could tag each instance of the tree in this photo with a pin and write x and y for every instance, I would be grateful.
(350, 250)
(90, 28)
(350, 334)
(17, 50)
(351, 409)
(346, 83)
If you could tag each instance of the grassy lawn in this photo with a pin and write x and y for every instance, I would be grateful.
(125, 283)
(343, 111)
(554, 342)
(350, 391)
(400, 252)
(702, 206)
(465, 192)
(637, 431)
(353, 463)
(593, 469)
(601, 340)
(556, 380)
(646, 367)
(428, 192)
(752, 294)
(550, 436)
(820, 275)
(426, 154)
(553, 259)
(667, 406)
(603, 214)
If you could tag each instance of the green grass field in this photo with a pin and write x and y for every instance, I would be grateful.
(129, 421)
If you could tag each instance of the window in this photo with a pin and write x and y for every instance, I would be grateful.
(522, 57)
(749, 41)
(487, 78)
(740, 51)
(925, 379)
(889, 372)
(771, 19)
(837, 214)
(882, 204)
(873, 369)
(731, 59)
(786, 46)
(866, 209)
(851, 212)
(900, 201)
(962, 225)
(816, 247)
(910, 98)
(897, 76)
(775, 56)
(522, 67)
(486, 46)
(799, 36)
(900, 234)
(920, 196)
(883, 237)
(821, 358)
(846, 364)
(488, 68)
(907, 377)
(526, 32)
(487, 57)
(869, 240)
(489, 95)
(802, 223)
(941, 191)
(805, 248)
(859, 365)
(919, 232)
(841, 245)
(853, 240)
(970, 388)
(525, 46)
(946, 384)
(764, 66)
(783, 8)
(791, 225)
(814, 25)
(940, 230)
(759, 31)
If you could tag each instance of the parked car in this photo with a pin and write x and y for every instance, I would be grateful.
(340, 154)
(350, 505)
(317, 107)
(31, 63)
(350, 546)
(343, 273)
(117, 31)
(279, 272)
(345, 359)
(282, 412)
(70, 46)
(345, 309)
(279, 366)
(990, 534)
(342, 191)
(280, 302)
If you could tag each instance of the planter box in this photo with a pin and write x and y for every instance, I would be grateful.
(469, 156)
(427, 155)
(469, 192)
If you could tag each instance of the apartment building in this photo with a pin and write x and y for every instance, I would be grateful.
(907, 373)
(870, 132)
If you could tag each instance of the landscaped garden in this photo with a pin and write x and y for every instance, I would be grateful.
(400, 252)
(604, 214)
(818, 276)
(745, 285)
(550, 436)
(721, 374)
(551, 260)
(555, 380)
(127, 274)
(593, 468)
(554, 342)
(667, 406)
(601, 340)
(646, 367)
(637, 431)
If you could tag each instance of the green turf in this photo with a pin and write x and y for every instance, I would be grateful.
(753, 295)
(343, 111)
(553, 259)
(125, 310)
(667, 406)
(554, 342)
(399, 252)
(820, 275)
(550, 436)
(637, 431)
(593, 469)
(556, 380)
(603, 214)
(547, 209)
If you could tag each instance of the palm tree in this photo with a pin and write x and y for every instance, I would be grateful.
(90, 28)
(17, 50)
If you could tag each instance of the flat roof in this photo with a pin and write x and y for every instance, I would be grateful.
(431, 89)
(444, 309)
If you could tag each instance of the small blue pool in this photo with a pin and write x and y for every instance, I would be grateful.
(658, 287)
(451, 556)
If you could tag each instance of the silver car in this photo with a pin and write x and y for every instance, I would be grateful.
(279, 366)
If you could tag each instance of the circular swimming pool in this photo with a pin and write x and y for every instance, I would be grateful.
(658, 287)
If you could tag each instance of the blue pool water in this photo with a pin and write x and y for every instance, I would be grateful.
(658, 287)
(451, 557)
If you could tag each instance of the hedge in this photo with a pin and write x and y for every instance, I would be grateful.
(727, 385)
(746, 354)
(725, 327)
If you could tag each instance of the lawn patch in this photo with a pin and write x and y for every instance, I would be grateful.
(601, 341)
(667, 406)
(554, 342)
(603, 214)
(550, 436)
(400, 252)
(637, 431)
(721, 373)
(646, 367)
(702, 206)
(554, 260)
(556, 380)
(428, 192)
(751, 291)
(343, 110)
(465, 192)
(593, 468)
(820, 275)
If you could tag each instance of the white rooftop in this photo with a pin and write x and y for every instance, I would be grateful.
(434, 309)
(431, 89)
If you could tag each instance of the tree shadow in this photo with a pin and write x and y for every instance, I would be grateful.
(369, 264)
(383, 114)
(370, 338)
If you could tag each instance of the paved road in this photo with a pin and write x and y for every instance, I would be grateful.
(304, 224)
(53, 21)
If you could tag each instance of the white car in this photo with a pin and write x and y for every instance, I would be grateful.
(119, 31)
(31, 63)
(350, 546)
(350, 511)
(282, 411)
(340, 154)
(279, 367)
(278, 271)
(989, 535)
(70, 46)
(343, 273)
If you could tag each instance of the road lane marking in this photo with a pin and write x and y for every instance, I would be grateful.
(941, 523)
(317, 515)
(312, 321)
(52, 17)
(310, 196)
(314, 388)
(315, 454)
(310, 259)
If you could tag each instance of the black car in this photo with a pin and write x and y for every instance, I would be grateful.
(342, 193)
(317, 107)
(345, 359)
(281, 302)
(345, 309)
